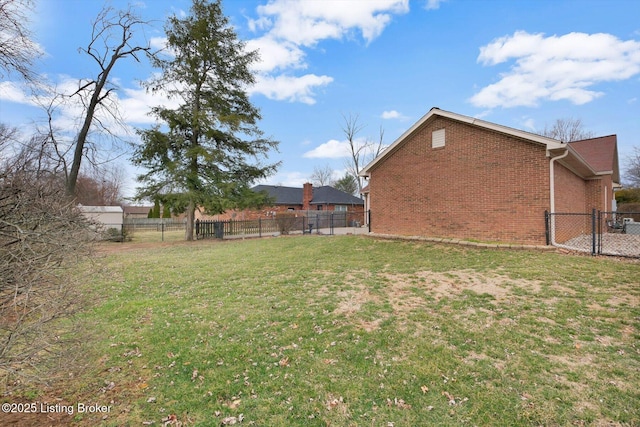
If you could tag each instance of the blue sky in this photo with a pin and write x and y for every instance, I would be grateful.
(518, 63)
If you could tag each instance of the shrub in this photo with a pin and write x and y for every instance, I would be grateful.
(42, 238)
(286, 222)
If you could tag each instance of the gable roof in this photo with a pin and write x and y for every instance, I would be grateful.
(601, 153)
(549, 143)
(325, 195)
(282, 195)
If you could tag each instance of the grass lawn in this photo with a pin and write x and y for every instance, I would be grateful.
(354, 331)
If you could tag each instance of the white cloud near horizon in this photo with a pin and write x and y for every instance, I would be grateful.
(334, 149)
(555, 68)
(392, 114)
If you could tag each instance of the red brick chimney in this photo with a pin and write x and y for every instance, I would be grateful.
(307, 196)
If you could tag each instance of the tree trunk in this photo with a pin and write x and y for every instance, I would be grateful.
(191, 214)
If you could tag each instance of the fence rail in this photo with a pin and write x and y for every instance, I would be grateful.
(306, 222)
(153, 224)
(598, 232)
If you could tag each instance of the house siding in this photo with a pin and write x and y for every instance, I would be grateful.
(482, 185)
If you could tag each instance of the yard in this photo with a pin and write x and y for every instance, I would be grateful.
(351, 331)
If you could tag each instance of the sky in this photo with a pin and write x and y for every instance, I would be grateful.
(517, 63)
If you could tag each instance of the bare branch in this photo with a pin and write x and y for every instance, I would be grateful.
(115, 31)
(566, 130)
(17, 51)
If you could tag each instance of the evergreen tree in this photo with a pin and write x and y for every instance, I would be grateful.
(166, 212)
(202, 156)
(347, 183)
(156, 209)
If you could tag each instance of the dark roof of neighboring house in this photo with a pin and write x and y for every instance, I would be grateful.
(325, 195)
(601, 153)
(282, 195)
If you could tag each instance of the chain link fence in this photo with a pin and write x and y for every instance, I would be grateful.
(597, 233)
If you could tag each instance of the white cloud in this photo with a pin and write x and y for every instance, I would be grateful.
(555, 68)
(392, 114)
(433, 4)
(14, 92)
(290, 88)
(529, 123)
(291, 27)
(307, 22)
(334, 149)
(276, 55)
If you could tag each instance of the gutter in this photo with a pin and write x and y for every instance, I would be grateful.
(552, 199)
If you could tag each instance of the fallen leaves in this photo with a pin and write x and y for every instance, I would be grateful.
(398, 403)
(284, 362)
(230, 421)
(454, 400)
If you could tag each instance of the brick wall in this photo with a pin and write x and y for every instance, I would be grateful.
(571, 196)
(482, 185)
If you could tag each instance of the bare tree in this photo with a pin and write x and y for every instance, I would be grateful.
(633, 169)
(566, 130)
(322, 176)
(17, 51)
(101, 188)
(112, 39)
(361, 151)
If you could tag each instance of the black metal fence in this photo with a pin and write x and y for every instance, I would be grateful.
(301, 222)
(597, 233)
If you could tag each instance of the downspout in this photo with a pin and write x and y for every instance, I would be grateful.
(552, 195)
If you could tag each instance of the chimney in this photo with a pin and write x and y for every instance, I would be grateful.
(307, 196)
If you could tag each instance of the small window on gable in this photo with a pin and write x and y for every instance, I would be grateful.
(437, 138)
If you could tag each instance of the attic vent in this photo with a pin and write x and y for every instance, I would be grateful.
(437, 138)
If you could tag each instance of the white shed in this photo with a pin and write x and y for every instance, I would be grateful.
(107, 215)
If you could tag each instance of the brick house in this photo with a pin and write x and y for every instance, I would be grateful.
(295, 199)
(454, 176)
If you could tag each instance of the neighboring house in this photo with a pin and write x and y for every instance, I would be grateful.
(454, 176)
(325, 198)
(136, 212)
(109, 216)
(308, 198)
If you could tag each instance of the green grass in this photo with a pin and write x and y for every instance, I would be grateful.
(353, 331)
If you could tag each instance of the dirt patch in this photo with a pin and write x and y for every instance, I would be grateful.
(408, 293)
(440, 285)
(351, 301)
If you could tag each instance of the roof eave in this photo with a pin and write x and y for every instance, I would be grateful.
(549, 143)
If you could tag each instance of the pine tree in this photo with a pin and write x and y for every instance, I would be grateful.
(202, 156)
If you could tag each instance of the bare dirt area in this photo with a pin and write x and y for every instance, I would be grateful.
(409, 292)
